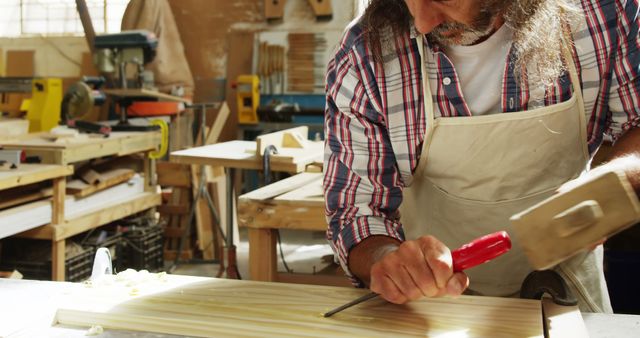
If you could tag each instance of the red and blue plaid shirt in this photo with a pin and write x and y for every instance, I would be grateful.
(375, 121)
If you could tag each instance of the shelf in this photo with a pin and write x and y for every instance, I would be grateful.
(95, 217)
(83, 148)
(31, 173)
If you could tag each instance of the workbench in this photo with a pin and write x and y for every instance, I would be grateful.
(196, 306)
(27, 174)
(294, 203)
(237, 155)
(72, 150)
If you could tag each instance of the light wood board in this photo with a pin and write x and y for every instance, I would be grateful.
(228, 308)
(242, 155)
(296, 202)
(78, 188)
(31, 173)
(71, 150)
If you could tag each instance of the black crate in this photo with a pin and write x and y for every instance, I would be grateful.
(77, 268)
(143, 248)
(112, 240)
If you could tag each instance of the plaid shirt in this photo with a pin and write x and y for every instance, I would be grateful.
(375, 121)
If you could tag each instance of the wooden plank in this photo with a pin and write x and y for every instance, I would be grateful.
(176, 305)
(218, 124)
(563, 321)
(92, 218)
(263, 262)
(173, 175)
(31, 173)
(13, 127)
(138, 92)
(86, 148)
(21, 195)
(266, 215)
(239, 155)
(108, 179)
(281, 187)
(321, 7)
(58, 259)
(58, 201)
(277, 139)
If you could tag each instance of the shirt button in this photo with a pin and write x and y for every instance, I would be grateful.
(446, 81)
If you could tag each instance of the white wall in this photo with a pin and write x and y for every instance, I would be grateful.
(54, 56)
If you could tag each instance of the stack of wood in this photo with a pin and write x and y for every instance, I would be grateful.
(180, 185)
(305, 65)
(175, 180)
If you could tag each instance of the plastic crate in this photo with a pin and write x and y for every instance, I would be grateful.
(77, 268)
(111, 240)
(143, 248)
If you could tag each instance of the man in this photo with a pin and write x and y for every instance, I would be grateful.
(519, 96)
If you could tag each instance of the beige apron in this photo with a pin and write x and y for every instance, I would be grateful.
(475, 172)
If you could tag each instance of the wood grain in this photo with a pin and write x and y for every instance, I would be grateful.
(78, 188)
(228, 308)
(31, 173)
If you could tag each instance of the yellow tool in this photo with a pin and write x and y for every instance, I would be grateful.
(248, 96)
(164, 130)
(44, 106)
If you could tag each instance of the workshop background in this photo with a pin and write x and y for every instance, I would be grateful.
(267, 56)
(245, 76)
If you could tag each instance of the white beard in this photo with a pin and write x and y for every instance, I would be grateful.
(469, 35)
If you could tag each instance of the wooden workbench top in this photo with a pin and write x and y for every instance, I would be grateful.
(242, 155)
(84, 147)
(216, 307)
(31, 173)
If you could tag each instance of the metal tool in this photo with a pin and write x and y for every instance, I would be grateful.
(539, 283)
(476, 252)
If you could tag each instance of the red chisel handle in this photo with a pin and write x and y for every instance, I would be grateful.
(480, 250)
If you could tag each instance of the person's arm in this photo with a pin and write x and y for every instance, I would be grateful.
(623, 101)
(624, 96)
(363, 190)
(362, 186)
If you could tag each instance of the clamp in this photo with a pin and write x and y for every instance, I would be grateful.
(266, 160)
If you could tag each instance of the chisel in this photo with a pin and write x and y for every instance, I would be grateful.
(476, 252)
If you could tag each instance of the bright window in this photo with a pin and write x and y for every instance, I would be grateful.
(57, 17)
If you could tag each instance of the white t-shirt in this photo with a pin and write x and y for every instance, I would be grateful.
(480, 70)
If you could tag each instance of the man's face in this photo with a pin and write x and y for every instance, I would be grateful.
(455, 22)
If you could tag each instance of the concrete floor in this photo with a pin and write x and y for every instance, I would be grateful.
(303, 252)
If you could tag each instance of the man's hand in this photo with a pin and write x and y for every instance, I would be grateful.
(409, 271)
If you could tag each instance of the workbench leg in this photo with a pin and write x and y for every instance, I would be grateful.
(57, 217)
(57, 260)
(263, 262)
(57, 204)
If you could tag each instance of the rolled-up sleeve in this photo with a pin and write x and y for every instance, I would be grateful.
(362, 187)
(624, 94)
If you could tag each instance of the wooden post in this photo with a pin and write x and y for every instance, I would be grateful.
(263, 262)
(57, 218)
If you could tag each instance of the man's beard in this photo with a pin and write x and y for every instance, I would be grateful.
(463, 34)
